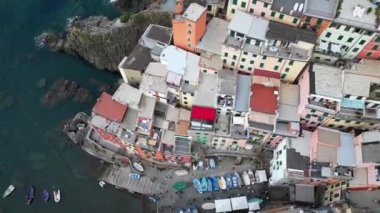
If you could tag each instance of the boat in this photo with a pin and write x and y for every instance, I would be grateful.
(206, 163)
(180, 210)
(246, 179)
(181, 172)
(209, 184)
(251, 176)
(204, 184)
(194, 209)
(188, 210)
(9, 191)
(138, 166)
(57, 196)
(234, 181)
(240, 182)
(195, 166)
(197, 185)
(228, 181)
(45, 196)
(102, 183)
(200, 165)
(222, 183)
(215, 184)
(208, 206)
(135, 176)
(180, 186)
(30, 195)
(212, 164)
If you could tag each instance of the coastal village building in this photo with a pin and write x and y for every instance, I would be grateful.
(341, 99)
(215, 7)
(267, 45)
(348, 34)
(288, 12)
(189, 27)
(371, 50)
(318, 15)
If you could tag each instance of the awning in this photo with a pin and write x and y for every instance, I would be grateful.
(203, 113)
(239, 203)
(350, 103)
(223, 205)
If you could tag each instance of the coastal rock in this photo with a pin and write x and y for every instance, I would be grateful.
(6, 100)
(60, 92)
(128, 4)
(102, 42)
(83, 95)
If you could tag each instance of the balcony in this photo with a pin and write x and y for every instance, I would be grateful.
(330, 107)
(290, 52)
(329, 48)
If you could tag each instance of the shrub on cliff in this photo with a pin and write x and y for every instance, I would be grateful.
(125, 17)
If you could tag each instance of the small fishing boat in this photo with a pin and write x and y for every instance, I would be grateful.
(228, 181)
(9, 191)
(251, 176)
(195, 165)
(102, 183)
(222, 183)
(181, 172)
(138, 166)
(57, 196)
(240, 182)
(212, 164)
(30, 195)
(197, 185)
(208, 206)
(194, 209)
(204, 184)
(215, 183)
(135, 176)
(181, 210)
(246, 179)
(206, 163)
(45, 196)
(209, 184)
(188, 210)
(234, 181)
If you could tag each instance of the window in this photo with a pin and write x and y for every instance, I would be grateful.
(251, 10)
(262, 14)
(375, 47)
(336, 195)
(276, 68)
(283, 76)
(350, 39)
(233, 63)
(377, 38)
(185, 102)
(232, 33)
(257, 43)
(313, 110)
(241, 66)
(233, 11)
(362, 42)
(280, 60)
(226, 54)
(261, 65)
(369, 33)
(347, 28)
(249, 68)
(189, 32)
(266, 4)
(281, 16)
(330, 125)
(189, 45)
(295, 20)
(368, 54)
(356, 30)
(308, 116)
(308, 19)
(245, 53)
(254, 55)
(243, 59)
(273, 14)
(254, 1)
(234, 2)
(234, 57)
(319, 22)
(247, 41)
(291, 62)
(340, 37)
(240, 34)
(287, 69)
(251, 62)
(355, 50)
(224, 61)
(243, 4)
(264, 57)
(328, 34)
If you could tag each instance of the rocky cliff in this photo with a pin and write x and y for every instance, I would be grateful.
(100, 41)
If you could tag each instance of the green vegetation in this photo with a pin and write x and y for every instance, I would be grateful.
(125, 17)
(369, 10)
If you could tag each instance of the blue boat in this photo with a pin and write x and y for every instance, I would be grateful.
(188, 210)
(197, 185)
(194, 209)
(234, 181)
(45, 196)
(209, 184)
(180, 210)
(215, 183)
(204, 184)
(134, 176)
(240, 182)
(30, 195)
(228, 181)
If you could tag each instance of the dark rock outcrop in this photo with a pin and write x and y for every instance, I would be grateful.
(100, 41)
(132, 5)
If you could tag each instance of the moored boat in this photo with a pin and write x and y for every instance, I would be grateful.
(240, 182)
(228, 181)
(246, 179)
(251, 176)
(234, 181)
(8, 191)
(215, 183)
(30, 195)
(197, 185)
(45, 196)
(222, 183)
(57, 196)
(194, 209)
(138, 166)
(102, 183)
(204, 184)
(209, 184)
(135, 176)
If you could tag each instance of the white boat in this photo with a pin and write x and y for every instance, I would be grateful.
(101, 183)
(208, 206)
(222, 183)
(57, 195)
(246, 179)
(9, 191)
(138, 166)
(251, 176)
(181, 172)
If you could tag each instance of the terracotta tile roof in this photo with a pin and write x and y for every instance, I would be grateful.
(109, 108)
(264, 99)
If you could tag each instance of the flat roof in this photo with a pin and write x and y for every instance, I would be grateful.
(128, 95)
(266, 73)
(370, 136)
(184, 114)
(156, 69)
(192, 70)
(370, 152)
(172, 114)
(109, 108)
(213, 62)
(203, 113)
(346, 150)
(326, 81)
(153, 84)
(289, 94)
(147, 105)
(223, 205)
(325, 9)
(205, 94)
(130, 119)
(239, 203)
(305, 193)
(359, 83)
(156, 33)
(138, 59)
(361, 19)
(288, 112)
(301, 144)
(168, 137)
(289, 7)
(242, 93)
(284, 32)
(213, 39)
(175, 59)
(227, 82)
(182, 127)
(194, 12)
(256, 27)
(264, 99)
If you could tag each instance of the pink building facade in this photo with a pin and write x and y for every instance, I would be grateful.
(372, 50)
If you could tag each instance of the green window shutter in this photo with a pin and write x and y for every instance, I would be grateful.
(308, 19)
(254, 1)
(340, 37)
(234, 57)
(281, 16)
(273, 14)
(328, 34)
(283, 76)
(350, 39)
(295, 20)
(234, 2)
(261, 65)
(375, 47)
(233, 11)
(362, 42)
(226, 54)
(276, 68)
(291, 62)
(243, 4)
(319, 22)
(251, 10)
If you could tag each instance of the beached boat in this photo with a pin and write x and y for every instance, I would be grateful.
(208, 206)
(102, 183)
(45, 196)
(251, 176)
(240, 182)
(181, 172)
(135, 176)
(204, 184)
(215, 183)
(138, 166)
(212, 164)
(30, 195)
(57, 196)
(222, 183)
(9, 191)
(195, 165)
(228, 181)
(181, 210)
(194, 209)
(197, 185)
(209, 184)
(188, 210)
(234, 181)
(246, 179)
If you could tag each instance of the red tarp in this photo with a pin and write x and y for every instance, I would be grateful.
(203, 113)
(263, 99)
(109, 108)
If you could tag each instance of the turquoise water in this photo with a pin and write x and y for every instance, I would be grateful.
(33, 149)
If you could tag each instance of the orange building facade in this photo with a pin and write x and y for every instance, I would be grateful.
(317, 24)
(371, 50)
(189, 27)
